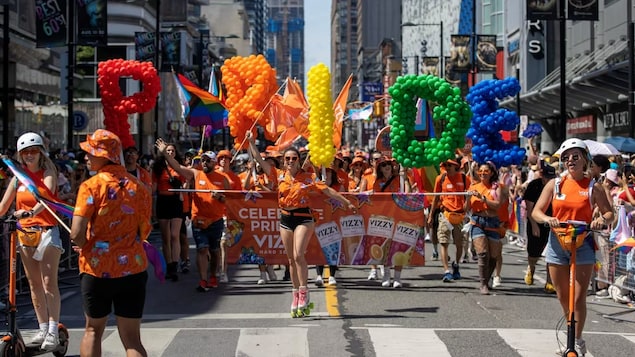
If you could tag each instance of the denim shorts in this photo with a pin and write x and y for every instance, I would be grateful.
(484, 227)
(209, 237)
(557, 255)
(50, 238)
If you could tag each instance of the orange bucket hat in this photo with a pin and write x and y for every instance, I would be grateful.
(103, 143)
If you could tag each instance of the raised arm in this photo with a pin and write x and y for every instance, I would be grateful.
(187, 172)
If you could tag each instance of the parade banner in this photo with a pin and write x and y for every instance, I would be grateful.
(387, 229)
(170, 51)
(542, 10)
(144, 46)
(486, 52)
(583, 10)
(460, 53)
(430, 65)
(92, 24)
(50, 17)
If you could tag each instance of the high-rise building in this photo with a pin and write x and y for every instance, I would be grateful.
(343, 44)
(255, 10)
(284, 38)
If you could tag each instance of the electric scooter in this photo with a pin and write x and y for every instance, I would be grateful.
(569, 350)
(11, 341)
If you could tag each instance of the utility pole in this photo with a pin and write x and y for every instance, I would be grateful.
(71, 73)
(157, 52)
(631, 65)
(5, 74)
(563, 69)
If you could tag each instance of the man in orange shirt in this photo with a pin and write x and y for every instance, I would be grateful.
(451, 216)
(208, 209)
(110, 222)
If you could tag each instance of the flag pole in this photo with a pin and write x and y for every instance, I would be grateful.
(59, 220)
(200, 148)
(242, 143)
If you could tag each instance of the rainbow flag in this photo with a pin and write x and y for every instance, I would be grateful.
(46, 197)
(203, 108)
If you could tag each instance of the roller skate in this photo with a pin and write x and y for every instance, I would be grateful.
(304, 304)
(294, 303)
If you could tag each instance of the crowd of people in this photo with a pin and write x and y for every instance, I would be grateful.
(472, 211)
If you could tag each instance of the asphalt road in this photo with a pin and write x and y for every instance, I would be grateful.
(357, 317)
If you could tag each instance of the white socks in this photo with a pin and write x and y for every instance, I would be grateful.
(52, 328)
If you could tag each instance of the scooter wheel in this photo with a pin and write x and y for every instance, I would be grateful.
(8, 349)
(61, 350)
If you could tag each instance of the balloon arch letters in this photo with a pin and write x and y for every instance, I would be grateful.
(481, 120)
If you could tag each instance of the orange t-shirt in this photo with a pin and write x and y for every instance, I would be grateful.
(118, 207)
(370, 180)
(572, 203)
(342, 177)
(144, 176)
(476, 204)
(452, 203)
(205, 208)
(393, 186)
(26, 201)
(293, 192)
(235, 183)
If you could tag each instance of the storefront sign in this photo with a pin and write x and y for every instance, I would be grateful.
(581, 125)
(617, 122)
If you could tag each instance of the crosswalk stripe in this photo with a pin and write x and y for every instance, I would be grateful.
(532, 343)
(411, 342)
(155, 341)
(291, 342)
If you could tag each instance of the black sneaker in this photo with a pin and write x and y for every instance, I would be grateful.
(184, 266)
(202, 287)
(456, 275)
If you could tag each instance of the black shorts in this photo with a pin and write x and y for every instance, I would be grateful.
(126, 294)
(169, 207)
(292, 219)
(536, 243)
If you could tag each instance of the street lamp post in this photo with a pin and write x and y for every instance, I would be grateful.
(440, 24)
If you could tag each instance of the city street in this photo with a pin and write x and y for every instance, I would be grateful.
(357, 317)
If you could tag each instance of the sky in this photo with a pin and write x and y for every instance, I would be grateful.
(317, 33)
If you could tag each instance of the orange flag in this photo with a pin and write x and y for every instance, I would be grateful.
(339, 107)
(289, 110)
(295, 103)
(285, 140)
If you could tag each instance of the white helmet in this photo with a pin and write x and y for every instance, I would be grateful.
(571, 144)
(28, 140)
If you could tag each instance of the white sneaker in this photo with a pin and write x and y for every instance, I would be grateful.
(263, 278)
(223, 278)
(396, 284)
(373, 274)
(50, 342)
(319, 282)
(332, 280)
(272, 274)
(39, 337)
(497, 282)
(385, 281)
(580, 346)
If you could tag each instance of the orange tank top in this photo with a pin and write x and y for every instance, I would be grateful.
(572, 201)
(26, 201)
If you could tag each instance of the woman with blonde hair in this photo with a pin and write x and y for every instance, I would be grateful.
(40, 242)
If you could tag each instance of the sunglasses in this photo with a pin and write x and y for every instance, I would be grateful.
(384, 164)
(132, 153)
(30, 151)
(291, 158)
(206, 160)
(485, 172)
(572, 157)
